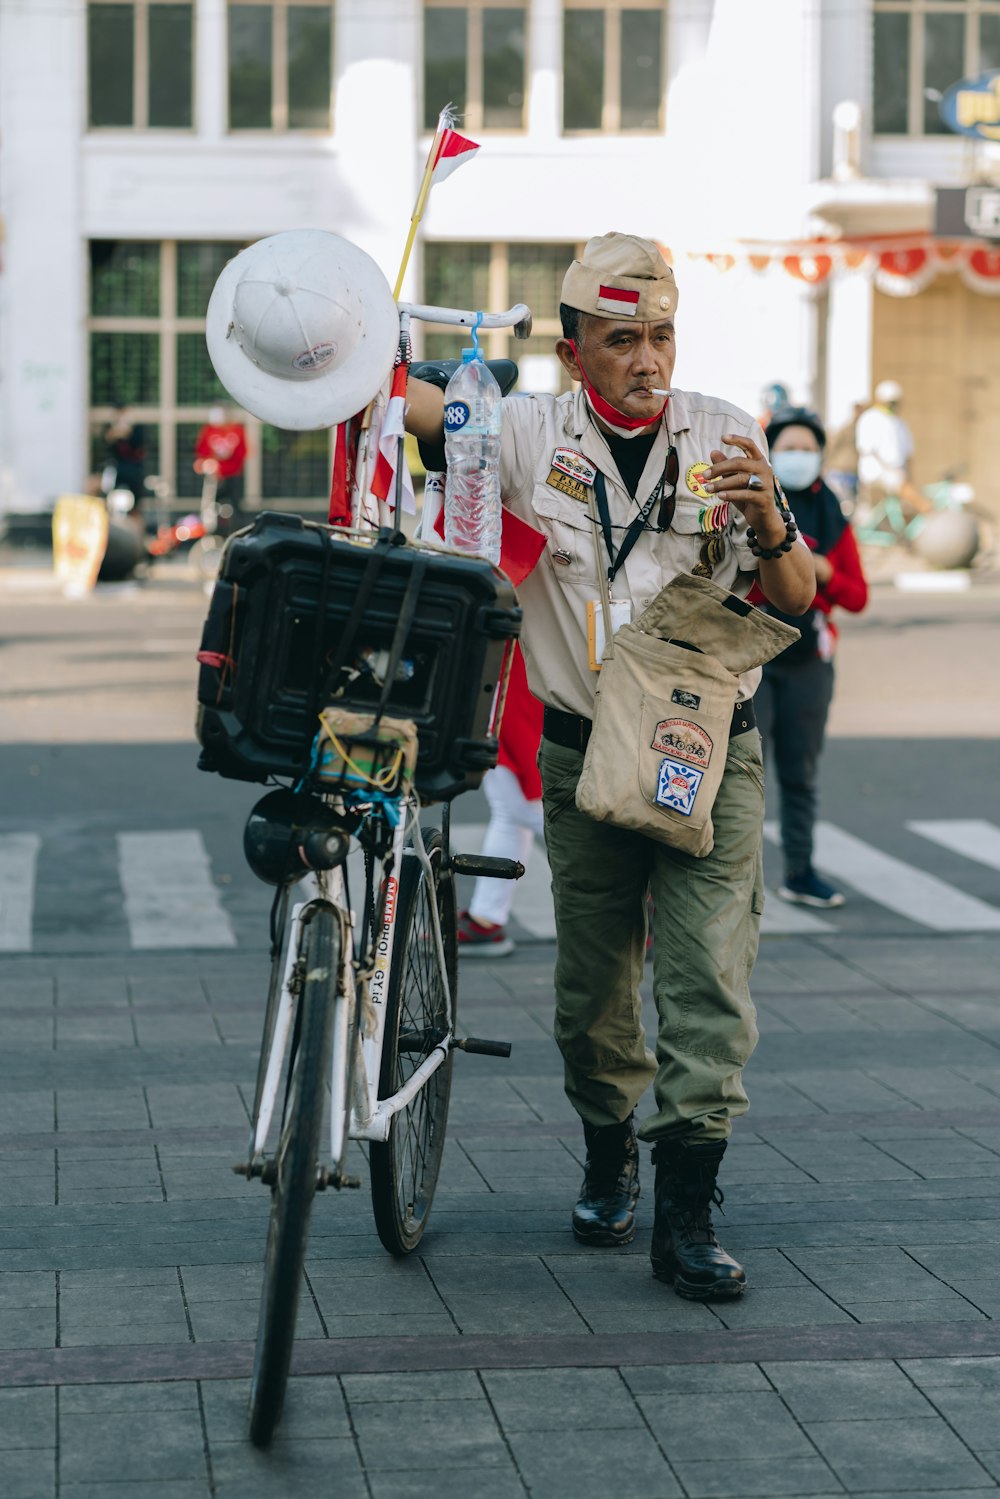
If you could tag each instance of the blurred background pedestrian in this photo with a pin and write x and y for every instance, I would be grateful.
(125, 455)
(885, 448)
(773, 397)
(794, 698)
(221, 449)
(514, 791)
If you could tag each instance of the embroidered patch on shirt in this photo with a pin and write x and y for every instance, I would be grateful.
(693, 477)
(677, 786)
(685, 699)
(559, 480)
(575, 465)
(684, 740)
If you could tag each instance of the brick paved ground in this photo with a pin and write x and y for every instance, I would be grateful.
(863, 1192)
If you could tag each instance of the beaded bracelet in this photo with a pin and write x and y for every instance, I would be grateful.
(768, 554)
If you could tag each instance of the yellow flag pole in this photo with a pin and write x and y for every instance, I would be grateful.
(444, 123)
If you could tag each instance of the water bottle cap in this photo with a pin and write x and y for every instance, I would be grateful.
(469, 354)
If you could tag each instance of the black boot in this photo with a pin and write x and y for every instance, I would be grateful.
(605, 1214)
(685, 1251)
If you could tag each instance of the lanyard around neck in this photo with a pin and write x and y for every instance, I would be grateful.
(663, 490)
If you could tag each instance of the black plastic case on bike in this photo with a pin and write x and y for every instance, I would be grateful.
(265, 654)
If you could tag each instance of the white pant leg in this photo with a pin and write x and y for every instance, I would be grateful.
(514, 823)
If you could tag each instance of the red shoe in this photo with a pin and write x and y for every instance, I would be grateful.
(478, 939)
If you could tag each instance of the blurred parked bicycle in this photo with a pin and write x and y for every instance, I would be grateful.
(952, 531)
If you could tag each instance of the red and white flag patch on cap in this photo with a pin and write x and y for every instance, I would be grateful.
(614, 299)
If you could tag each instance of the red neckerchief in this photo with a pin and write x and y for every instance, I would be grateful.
(609, 413)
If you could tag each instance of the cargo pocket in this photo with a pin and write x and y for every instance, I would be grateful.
(560, 769)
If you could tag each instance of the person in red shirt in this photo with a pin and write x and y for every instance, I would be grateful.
(793, 699)
(221, 448)
(514, 791)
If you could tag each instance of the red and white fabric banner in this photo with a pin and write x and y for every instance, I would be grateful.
(901, 266)
(813, 269)
(389, 441)
(980, 270)
(453, 151)
(905, 271)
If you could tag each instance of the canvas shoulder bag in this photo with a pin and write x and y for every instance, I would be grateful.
(664, 707)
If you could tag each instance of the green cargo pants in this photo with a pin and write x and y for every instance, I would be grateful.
(706, 924)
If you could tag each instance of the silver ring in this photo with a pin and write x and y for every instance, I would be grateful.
(755, 482)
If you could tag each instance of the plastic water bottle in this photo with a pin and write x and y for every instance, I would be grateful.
(472, 417)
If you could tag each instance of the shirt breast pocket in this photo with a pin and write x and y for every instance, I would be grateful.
(696, 547)
(569, 550)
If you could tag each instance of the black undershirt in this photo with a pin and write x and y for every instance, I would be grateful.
(630, 454)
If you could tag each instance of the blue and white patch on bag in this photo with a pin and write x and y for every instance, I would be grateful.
(677, 786)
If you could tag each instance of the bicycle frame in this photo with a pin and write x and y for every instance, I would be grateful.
(356, 1050)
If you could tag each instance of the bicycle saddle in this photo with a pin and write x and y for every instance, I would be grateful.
(438, 372)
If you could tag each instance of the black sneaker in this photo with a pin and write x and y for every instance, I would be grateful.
(807, 889)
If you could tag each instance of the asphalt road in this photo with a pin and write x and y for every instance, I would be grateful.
(97, 729)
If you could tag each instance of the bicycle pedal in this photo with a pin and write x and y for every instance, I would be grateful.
(482, 864)
(326, 1178)
(479, 1048)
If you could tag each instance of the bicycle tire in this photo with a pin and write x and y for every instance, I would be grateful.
(296, 1164)
(404, 1170)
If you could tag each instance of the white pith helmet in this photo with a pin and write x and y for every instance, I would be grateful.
(887, 391)
(302, 329)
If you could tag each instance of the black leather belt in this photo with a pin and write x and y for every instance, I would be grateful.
(573, 732)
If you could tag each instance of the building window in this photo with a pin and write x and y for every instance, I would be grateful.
(922, 47)
(613, 66)
(139, 64)
(462, 274)
(146, 333)
(474, 59)
(280, 65)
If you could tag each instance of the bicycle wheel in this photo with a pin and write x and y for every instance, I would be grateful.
(404, 1170)
(295, 1165)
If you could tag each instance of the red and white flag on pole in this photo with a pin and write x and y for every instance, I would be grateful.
(390, 447)
(453, 151)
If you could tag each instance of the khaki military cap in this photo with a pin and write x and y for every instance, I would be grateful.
(621, 276)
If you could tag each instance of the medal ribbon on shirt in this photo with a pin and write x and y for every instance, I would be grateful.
(714, 522)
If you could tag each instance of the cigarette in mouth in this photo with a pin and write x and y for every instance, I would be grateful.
(654, 392)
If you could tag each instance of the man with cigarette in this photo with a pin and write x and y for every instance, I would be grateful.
(645, 482)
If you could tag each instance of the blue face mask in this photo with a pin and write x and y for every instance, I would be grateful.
(796, 469)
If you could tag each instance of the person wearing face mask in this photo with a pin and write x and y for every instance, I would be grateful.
(794, 697)
(630, 483)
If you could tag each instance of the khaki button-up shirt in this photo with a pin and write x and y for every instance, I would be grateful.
(550, 449)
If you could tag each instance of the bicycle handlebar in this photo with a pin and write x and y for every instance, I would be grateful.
(517, 317)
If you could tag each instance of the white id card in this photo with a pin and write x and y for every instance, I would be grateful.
(621, 614)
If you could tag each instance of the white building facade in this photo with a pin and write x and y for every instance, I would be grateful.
(143, 142)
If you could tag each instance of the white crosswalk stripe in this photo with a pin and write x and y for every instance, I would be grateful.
(973, 838)
(170, 897)
(782, 920)
(890, 882)
(18, 858)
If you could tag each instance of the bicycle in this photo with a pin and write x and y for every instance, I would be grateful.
(894, 520)
(367, 1014)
